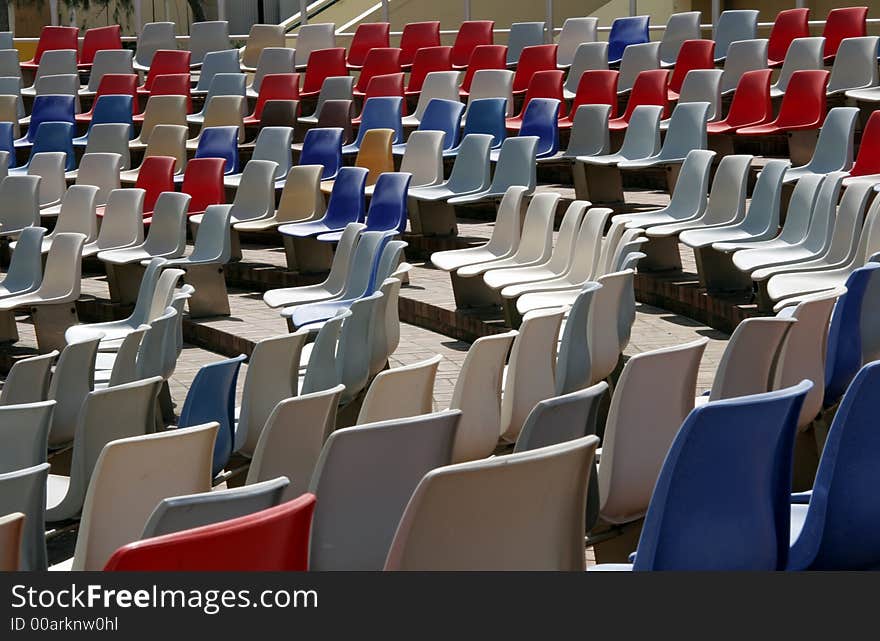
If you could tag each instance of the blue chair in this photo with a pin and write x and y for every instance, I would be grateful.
(379, 113)
(721, 501)
(346, 205)
(631, 30)
(834, 526)
(211, 397)
(440, 115)
(220, 142)
(843, 355)
(53, 136)
(323, 146)
(50, 107)
(387, 212)
(541, 119)
(7, 141)
(485, 116)
(109, 109)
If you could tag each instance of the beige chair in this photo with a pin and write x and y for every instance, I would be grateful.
(132, 475)
(166, 140)
(647, 409)
(364, 479)
(222, 111)
(106, 415)
(73, 380)
(477, 394)
(11, 528)
(530, 374)
(522, 511)
(9, 113)
(301, 200)
(400, 392)
(272, 376)
(291, 441)
(260, 37)
(160, 110)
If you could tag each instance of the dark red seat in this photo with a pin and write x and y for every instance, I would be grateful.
(596, 87)
(427, 59)
(322, 64)
(471, 34)
(275, 86)
(203, 180)
(694, 54)
(156, 175)
(52, 38)
(367, 36)
(98, 39)
(789, 24)
(648, 89)
(531, 60)
(843, 22)
(751, 104)
(273, 539)
(379, 62)
(415, 36)
(868, 159)
(113, 83)
(803, 105)
(165, 62)
(386, 85)
(544, 84)
(483, 57)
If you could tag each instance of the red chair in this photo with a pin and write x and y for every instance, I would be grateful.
(273, 539)
(596, 87)
(868, 159)
(531, 60)
(165, 62)
(387, 85)
(275, 86)
(113, 83)
(53, 38)
(172, 84)
(648, 89)
(483, 57)
(544, 84)
(368, 35)
(789, 24)
(427, 59)
(694, 54)
(156, 175)
(751, 104)
(98, 39)
(322, 64)
(379, 62)
(471, 34)
(203, 180)
(415, 36)
(803, 105)
(844, 22)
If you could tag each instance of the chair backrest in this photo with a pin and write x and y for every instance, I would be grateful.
(522, 35)
(208, 36)
(744, 444)
(646, 411)
(471, 170)
(733, 25)
(167, 235)
(788, 25)
(540, 120)
(636, 59)
(626, 31)
(375, 153)
(416, 36)
(388, 207)
(443, 115)
(109, 61)
(346, 202)
(687, 130)
(321, 369)
(486, 116)
(56, 62)
(167, 140)
(679, 28)
(217, 62)
(380, 61)
(77, 214)
(575, 31)
(301, 198)
(400, 392)
(262, 37)
(854, 65)
(428, 60)
(323, 147)
(471, 34)
(100, 169)
(868, 160)
(743, 56)
(275, 61)
(154, 36)
(516, 164)
(353, 349)
(324, 64)
(648, 89)
(155, 177)
(255, 197)
(28, 380)
(367, 36)
(510, 522)
(224, 111)
(842, 23)
(590, 56)
(642, 138)
(162, 111)
(166, 61)
(50, 108)
(562, 418)
(365, 476)
(763, 214)
(24, 491)
(804, 53)
(314, 37)
(423, 157)
(19, 201)
(486, 56)
(25, 432)
(122, 224)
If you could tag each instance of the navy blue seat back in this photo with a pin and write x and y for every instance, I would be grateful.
(721, 501)
(7, 138)
(843, 356)
(443, 115)
(55, 136)
(388, 206)
(113, 109)
(541, 120)
(487, 116)
(346, 204)
(211, 397)
(50, 107)
(625, 31)
(220, 142)
(841, 525)
(323, 146)
(381, 112)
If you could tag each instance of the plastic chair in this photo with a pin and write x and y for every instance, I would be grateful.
(624, 32)
(516, 166)
(842, 23)
(167, 237)
(122, 222)
(438, 85)
(153, 37)
(679, 28)
(224, 85)
(400, 392)
(834, 147)
(541, 120)
(742, 56)
(522, 35)
(208, 36)
(54, 63)
(423, 157)
(590, 56)
(597, 87)
(172, 84)
(471, 34)
(165, 140)
(277, 113)
(575, 32)
(544, 84)
(220, 142)
(486, 56)
(53, 38)
(19, 204)
(589, 131)
(24, 491)
(156, 176)
(855, 65)
(386, 86)
(28, 381)
(648, 89)
(379, 62)
(216, 62)
(694, 54)
(112, 84)
(440, 115)
(314, 37)
(803, 106)
(751, 104)
(108, 62)
(346, 205)
(53, 137)
(788, 25)
(273, 143)
(803, 54)
(11, 528)
(112, 109)
(387, 211)
(51, 108)
(416, 36)
(367, 36)
(274, 87)
(323, 147)
(733, 25)
(222, 111)
(687, 131)
(334, 88)
(532, 60)
(427, 60)
(867, 161)
(701, 85)
(492, 83)
(261, 37)
(165, 62)
(323, 64)
(301, 200)
(364, 453)
(379, 113)
(486, 116)
(161, 111)
(636, 59)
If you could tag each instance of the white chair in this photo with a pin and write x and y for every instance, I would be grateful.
(400, 392)
(636, 59)
(516, 166)
(207, 36)
(686, 131)
(10, 64)
(679, 27)
(53, 63)
(100, 169)
(216, 62)
(733, 25)
(23, 491)
(273, 60)
(28, 382)
(575, 32)
(311, 37)
(49, 166)
(153, 36)
(274, 144)
(301, 200)
(441, 85)
(855, 65)
(423, 158)
(77, 215)
(589, 134)
(19, 204)
(62, 84)
(588, 56)
(742, 56)
(701, 85)
(803, 53)
(221, 111)
(107, 61)
(161, 111)
(122, 224)
(834, 147)
(11, 86)
(72, 380)
(165, 140)
(491, 83)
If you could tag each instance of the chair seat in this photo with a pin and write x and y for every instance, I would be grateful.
(798, 517)
(617, 124)
(770, 128)
(297, 295)
(56, 489)
(316, 313)
(304, 230)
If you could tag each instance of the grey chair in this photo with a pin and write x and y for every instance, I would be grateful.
(24, 432)
(25, 491)
(28, 380)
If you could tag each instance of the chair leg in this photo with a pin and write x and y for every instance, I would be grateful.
(437, 219)
(235, 239)
(604, 184)
(210, 297)
(312, 256)
(661, 254)
(672, 172)
(290, 253)
(801, 145)
(50, 323)
(473, 292)
(718, 273)
(8, 328)
(166, 405)
(579, 178)
(511, 314)
(124, 282)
